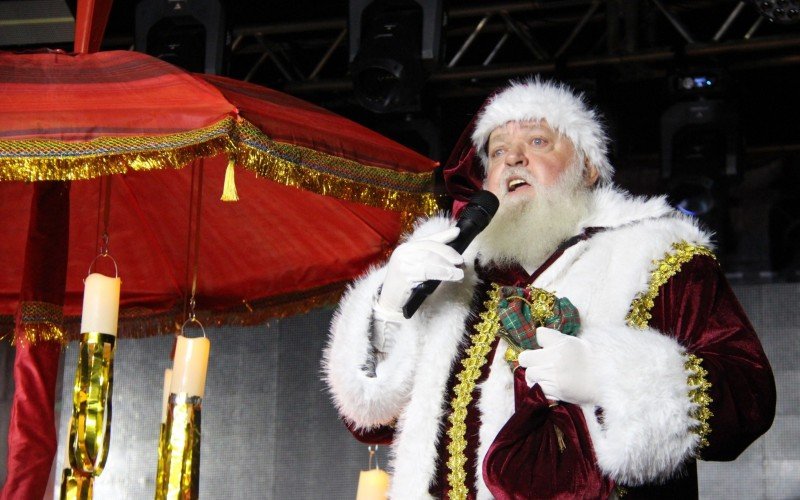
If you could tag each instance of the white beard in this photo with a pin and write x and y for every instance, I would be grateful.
(527, 230)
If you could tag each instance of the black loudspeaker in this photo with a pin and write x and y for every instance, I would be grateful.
(186, 33)
(700, 155)
(393, 46)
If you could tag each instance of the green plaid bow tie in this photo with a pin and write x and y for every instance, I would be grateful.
(521, 310)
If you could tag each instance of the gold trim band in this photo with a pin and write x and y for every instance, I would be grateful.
(481, 345)
(639, 315)
(699, 396)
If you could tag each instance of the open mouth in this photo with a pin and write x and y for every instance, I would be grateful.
(515, 184)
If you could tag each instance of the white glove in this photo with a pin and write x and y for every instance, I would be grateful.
(412, 263)
(563, 367)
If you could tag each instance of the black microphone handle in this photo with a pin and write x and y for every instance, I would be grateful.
(418, 296)
(474, 219)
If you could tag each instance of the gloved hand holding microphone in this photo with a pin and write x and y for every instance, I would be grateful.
(413, 263)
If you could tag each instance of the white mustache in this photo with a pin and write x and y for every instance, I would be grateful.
(516, 173)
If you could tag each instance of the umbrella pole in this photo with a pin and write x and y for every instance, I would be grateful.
(32, 438)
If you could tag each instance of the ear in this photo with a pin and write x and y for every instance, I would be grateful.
(590, 173)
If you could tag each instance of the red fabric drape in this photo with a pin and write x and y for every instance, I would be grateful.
(32, 430)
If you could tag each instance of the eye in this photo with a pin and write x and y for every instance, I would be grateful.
(540, 142)
(497, 152)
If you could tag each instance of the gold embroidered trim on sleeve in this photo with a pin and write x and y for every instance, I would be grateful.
(481, 342)
(639, 315)
(698, 394)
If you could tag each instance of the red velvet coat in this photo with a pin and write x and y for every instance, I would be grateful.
(692, 314)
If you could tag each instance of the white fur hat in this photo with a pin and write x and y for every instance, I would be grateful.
(565, 112)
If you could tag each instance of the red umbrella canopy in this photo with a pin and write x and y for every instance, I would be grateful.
(278, 250)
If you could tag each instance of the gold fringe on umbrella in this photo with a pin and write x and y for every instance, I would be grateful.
(49, 160)
(329, 175)
(38, 322)
(288, 164)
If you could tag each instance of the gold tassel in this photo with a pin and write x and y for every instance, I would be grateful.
(229, 187)
(560, 438)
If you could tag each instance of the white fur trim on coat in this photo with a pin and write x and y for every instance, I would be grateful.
(645, 435)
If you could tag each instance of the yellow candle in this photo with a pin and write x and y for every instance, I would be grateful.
(165, 394)
(189, 368)
(373, 485)
(100, 304)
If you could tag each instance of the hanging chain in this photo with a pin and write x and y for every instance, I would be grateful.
(193, 241)
(104, 214)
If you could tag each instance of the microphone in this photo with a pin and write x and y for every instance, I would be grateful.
(473, 219)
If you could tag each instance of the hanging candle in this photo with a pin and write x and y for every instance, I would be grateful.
(181, 452)
(100, 304)
(190, 366)
(90, 425)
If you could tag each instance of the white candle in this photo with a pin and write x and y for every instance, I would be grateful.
(372, 485)
(165, 394)
(100, 304)
(189, 368)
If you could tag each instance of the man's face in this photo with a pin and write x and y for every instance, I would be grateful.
(524, 156)
(543, 187)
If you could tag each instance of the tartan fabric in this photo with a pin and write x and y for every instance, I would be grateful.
(521, 310)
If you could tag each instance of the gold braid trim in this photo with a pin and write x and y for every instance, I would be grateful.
(38, 322)
(481, 341)
(329, 175)
(639, 315)
(699, 396)
(50, 160)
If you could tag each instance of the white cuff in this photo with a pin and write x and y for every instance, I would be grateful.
(645, 433)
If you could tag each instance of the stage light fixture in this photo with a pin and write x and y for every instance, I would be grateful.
(186, 33)
(700, 151)
(393, 46)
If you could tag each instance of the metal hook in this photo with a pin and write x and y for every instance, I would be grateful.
(192, 319)
(104, 245)
(108, 256)
(372, 456)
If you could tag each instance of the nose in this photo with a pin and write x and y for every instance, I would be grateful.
(515, 157)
